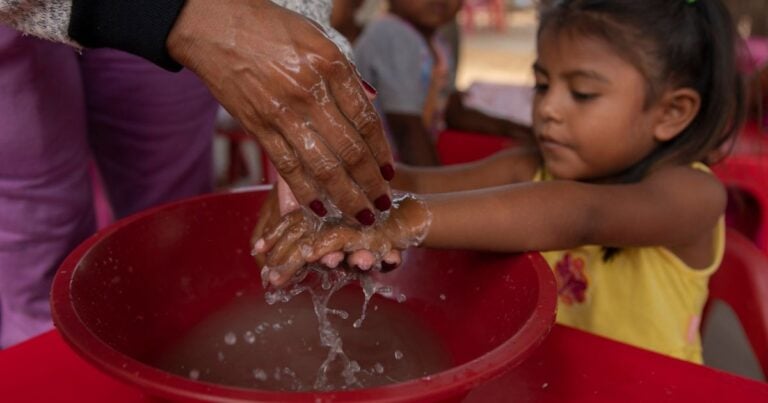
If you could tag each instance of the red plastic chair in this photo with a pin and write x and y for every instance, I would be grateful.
(746, 177)
(455, 147)
(742, 283)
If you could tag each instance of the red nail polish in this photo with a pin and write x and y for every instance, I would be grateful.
(387, 172)
(383, 203)
(388, 267)
(318, 207)
(369, 88)
(365, 217)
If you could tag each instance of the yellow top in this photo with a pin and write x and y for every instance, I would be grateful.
(643, 296)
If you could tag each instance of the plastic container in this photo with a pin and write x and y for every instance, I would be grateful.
(138, 285)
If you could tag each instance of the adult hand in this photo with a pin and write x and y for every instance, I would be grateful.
(298, 239)
(291, 87)
(281, 202)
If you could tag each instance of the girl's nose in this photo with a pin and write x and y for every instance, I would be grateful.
(546, 108)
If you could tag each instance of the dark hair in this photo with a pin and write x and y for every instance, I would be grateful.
(673, 43)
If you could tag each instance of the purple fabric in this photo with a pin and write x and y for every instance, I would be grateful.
(149, 130)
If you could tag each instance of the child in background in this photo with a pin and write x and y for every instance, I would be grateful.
(631, 98)
(343, 18)
(409, 62)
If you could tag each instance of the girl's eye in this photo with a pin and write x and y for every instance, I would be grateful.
(540, 87)
(583, 96)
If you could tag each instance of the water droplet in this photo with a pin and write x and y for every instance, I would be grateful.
(398, 354)
(442, 297)
(249, 337)
(260, 374)
(220, 356)
(230, 338)
(378, 368)
(194, 374)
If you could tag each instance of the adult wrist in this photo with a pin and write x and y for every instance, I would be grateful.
(140, 27)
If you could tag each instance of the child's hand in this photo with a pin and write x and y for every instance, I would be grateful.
(301, 238)
(280, 202)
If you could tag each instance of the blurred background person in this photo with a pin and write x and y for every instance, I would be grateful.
(412, 65)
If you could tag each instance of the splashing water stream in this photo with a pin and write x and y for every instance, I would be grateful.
(327, 284)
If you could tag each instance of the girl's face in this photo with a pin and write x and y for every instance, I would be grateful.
(588, 110)
(430, 14)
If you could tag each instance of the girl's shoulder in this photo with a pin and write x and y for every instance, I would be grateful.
(522, 163)
(691, 186)
(695, 177)
(693, 182)
(696, 202)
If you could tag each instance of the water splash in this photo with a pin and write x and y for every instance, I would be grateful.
(321, 284)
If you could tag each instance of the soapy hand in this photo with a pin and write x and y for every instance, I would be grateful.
(280, 201)
(298, 239)
(290, 86)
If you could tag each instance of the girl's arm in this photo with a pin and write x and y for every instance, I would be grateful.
(513, 165)
(675, 207)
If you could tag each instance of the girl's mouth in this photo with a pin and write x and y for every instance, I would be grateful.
(548, 143)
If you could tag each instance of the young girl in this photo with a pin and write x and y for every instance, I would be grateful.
(408, 59)
(631, 98)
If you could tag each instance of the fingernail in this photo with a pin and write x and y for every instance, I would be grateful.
(383, 203)
(332, 264)
(388, 267)
(365, 266)
(318, 207)
(387, 172)
(274, 277)
(365, 217)
(258, 247)
(368, 87)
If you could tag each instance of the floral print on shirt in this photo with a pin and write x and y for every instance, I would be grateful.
(571, 279)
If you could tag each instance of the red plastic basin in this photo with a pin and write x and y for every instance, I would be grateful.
(144, 281)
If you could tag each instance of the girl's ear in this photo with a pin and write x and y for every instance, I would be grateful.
(677, 109)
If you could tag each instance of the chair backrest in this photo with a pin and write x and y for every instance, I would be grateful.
(746, 177)
(742, 283)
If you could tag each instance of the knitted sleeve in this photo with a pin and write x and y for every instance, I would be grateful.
(135, 26)
(47, 19)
